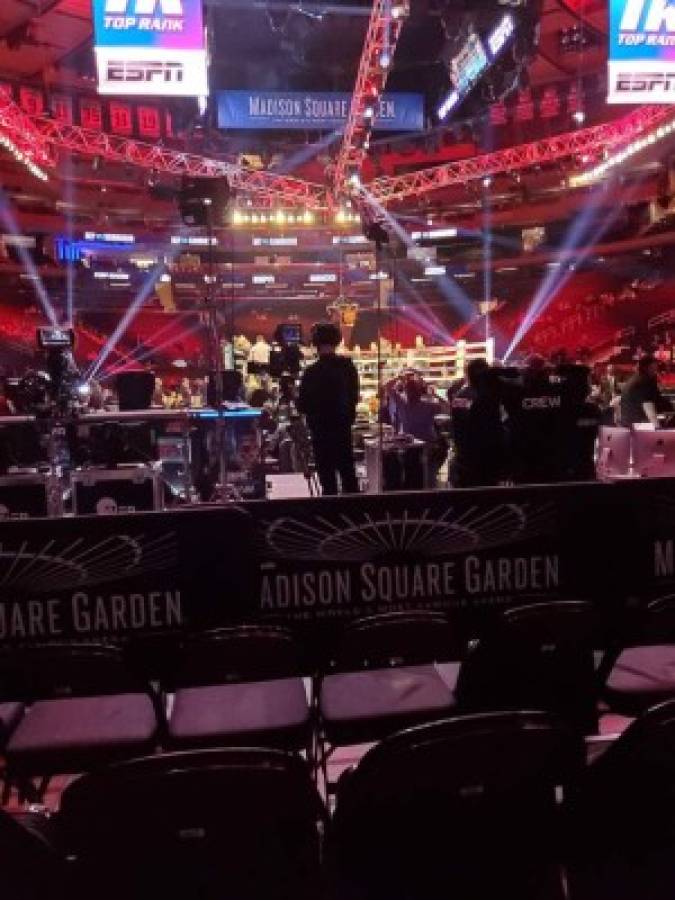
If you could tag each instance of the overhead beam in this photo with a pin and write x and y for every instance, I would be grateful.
(265, 185)
(587, 141)
(384, 28)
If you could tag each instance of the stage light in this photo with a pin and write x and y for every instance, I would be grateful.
(368, 112)
(579, 116)
(263, 218)
(280, 217)
(618, 158)
(447, 105)
(254, 218)
(487, 181)
(308, 217)
(385, 59)
(355, 180)
(340, 216)
(400, 10)
(237, 217)
(23, 158)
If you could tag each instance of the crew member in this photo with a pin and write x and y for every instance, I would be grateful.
(534, 409)
(415, 406)
(641, 398)
(477, 429)
(329, 393)
(579, 423)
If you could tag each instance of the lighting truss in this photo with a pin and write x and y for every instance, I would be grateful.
(587, 141)
(265, 185)
(384, 28)
(22, 137)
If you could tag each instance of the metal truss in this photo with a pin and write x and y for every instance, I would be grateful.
(267, 186)
(585, 142)
(384, 28)
(20, 129)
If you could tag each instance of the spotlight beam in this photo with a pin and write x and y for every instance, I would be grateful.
(132, 311)
(8, 220)
(580, 239)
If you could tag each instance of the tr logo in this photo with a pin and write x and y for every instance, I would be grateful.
(648, 15)
(144, 7)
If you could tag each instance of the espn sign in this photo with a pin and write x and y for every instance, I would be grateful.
(641, 51)
(150, 47)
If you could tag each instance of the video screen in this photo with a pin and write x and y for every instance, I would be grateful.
(290, 334)
(49, 337)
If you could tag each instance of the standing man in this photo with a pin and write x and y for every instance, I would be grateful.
(641, 398)
(329, 392)
(477, 429)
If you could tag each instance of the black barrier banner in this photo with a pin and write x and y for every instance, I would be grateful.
(455, 551)
(112, 577)
(646, 546)
(316, 563)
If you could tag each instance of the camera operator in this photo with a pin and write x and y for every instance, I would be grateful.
(641, 397)
(477, 429)
(579, 424)
(534, 409)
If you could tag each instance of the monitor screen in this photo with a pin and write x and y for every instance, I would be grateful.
(290, 333)
(49, 337)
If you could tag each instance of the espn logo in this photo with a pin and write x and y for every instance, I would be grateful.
(150, 72)
(642, 83)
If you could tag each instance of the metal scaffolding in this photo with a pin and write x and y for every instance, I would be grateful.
(155, 158)
(384, 28)
(585, 142)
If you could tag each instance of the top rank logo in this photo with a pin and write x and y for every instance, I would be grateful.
(647, 23)
(144, 15)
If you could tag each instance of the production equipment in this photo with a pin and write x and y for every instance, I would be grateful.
(58, 390)
(135, 389)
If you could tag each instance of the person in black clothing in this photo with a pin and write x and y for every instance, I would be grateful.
(641, 398)
(579, 423)
(534, 409)
(477, 429)
(329, 392)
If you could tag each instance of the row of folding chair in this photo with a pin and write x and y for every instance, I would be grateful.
(72, 708)
(477, 807)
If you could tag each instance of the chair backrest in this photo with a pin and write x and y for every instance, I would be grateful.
(53, 670)
(397, 638)
(238, 653)
(235, 823)
(621, 815)
(467, 803)
(539, 656)
(30, 868)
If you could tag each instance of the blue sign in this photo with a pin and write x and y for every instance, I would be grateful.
(297, 111)
(641, 51)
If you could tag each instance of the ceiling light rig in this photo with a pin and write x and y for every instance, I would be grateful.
(384, 28)
(22, 157)
(614, 160)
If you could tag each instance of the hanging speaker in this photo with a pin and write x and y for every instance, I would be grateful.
(204, 201)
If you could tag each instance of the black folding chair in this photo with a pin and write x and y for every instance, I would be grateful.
(240, 686)
(459, 808)
(11, 714)
(640, 672)
(30, 866)
(537, 656)
(86, 709)
(234, 824)
(621, 816)
(391, 671)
